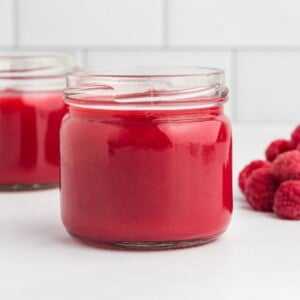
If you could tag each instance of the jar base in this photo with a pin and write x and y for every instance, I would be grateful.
(27, 187)
(144, 246)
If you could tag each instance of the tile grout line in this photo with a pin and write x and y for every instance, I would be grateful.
(15, 16)
(126, 48)
(158, 48)
(165, 24)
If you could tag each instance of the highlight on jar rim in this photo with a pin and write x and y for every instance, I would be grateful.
(147, 87)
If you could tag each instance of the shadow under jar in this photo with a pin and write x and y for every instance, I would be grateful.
(31, 110)
(146, 157)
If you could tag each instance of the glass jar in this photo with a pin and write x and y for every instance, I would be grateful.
(146, 157)
(31, 110)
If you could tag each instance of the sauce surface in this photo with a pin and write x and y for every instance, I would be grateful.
(146, 175)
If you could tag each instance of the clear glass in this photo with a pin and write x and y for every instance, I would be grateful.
(31, 110)
(146, 157)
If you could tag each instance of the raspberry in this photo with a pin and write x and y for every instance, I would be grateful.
(276, 147)
(287, 165)
(260, 189)
(287, 200)
(295, 137)
(248, 169)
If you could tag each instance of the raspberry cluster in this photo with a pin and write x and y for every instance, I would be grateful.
(274, 184)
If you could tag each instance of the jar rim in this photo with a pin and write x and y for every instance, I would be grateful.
(140, 87)
(146, 71)
(35, 65)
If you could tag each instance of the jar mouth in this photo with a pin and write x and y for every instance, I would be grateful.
(32, 65)
(150, 87)
(147, 72)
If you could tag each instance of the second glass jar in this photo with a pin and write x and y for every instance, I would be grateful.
(31, 110)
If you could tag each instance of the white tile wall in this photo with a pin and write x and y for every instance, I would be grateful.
(234, 22)
(91, 22)
(268, 86)
(257, 42)
(219, 59)
(6, 23)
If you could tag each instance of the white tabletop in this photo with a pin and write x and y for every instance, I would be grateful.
(257, 258)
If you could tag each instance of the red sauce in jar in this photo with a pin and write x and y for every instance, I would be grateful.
(29, 137)
(146, 176)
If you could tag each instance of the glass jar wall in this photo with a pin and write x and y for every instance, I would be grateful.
(146, 157)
